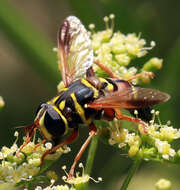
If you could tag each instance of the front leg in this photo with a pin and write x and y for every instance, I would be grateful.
(73, 136)
(92, 132)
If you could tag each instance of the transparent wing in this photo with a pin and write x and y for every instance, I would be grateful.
(74, 50)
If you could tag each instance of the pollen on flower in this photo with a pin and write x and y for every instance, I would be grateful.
(136, 112)
(106, 19)
(16, 134)
(153, 43)
(78, 179)
(111, 16)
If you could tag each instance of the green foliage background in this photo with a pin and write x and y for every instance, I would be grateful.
(29, 74)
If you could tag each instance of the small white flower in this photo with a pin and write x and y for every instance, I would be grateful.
(48, 145)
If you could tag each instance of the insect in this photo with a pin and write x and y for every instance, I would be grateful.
(85, 97)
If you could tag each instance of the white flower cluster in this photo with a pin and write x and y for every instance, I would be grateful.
(78, 179)
(16, 168)
(55, 187)
(156, 142)
(116, 50)
(75, 180)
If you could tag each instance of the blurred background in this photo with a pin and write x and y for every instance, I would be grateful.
(29, 75)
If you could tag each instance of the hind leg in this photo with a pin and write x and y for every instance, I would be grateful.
(120, 116)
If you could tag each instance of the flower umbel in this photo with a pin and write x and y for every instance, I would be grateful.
(153, 145)
(24, 166)
(84, 178)
(117, 50)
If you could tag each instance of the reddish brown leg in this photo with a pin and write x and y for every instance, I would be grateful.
(30, 135)
(90, 72)
(149, 74)
(42, 142)
(120, 116)
(92, 132)
(73, 136)
(107, 70)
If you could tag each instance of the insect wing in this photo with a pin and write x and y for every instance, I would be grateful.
(128, 97)
(75, 52)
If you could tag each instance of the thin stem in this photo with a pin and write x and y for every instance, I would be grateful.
(89, 162)
(91, 155)
(131, 172)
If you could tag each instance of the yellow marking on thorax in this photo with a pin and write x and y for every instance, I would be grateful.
(53, 100)
(43, 129)
(135, 93)
(85, 82)
(64, 89)
(109, 86)
(80, 110)
(64, 119)
(62, 105)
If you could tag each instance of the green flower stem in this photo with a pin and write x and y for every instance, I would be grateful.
(131, 172)
(89, 162)
(91, 155)
(32, 44)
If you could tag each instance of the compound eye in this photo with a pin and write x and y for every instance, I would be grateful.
(53, 122)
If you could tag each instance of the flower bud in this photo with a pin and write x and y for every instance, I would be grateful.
(163, 184)
(2, 103)
(133, 150)
(153, 65)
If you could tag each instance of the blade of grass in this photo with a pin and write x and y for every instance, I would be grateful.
(32, 44)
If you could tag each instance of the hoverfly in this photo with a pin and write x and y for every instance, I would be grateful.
(85, 97)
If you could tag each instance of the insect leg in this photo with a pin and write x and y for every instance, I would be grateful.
(73, 136)
(90, 72)
(92, 132)
(42, 142)
(120, 116)
(29, 137)
(142, 74)
(107, 70)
